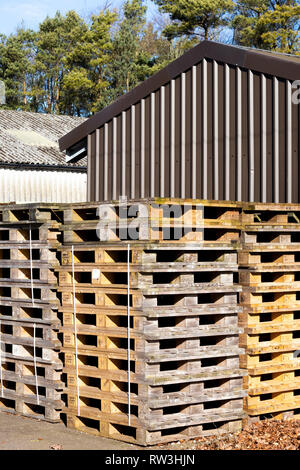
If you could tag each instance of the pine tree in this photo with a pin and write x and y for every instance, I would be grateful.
(268, 24)
(85, 79)
(55, 43)
(195, 18)
(130, 64)
(15, 67)
(101, 41)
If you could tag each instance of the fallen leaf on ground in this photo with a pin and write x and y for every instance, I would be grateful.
(56, 447)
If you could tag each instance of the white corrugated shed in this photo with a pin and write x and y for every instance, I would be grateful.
(42, 186)
(32, 168)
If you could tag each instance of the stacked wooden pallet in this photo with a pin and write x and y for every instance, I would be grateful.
(30, 367)
(270, 276)
(150, 320)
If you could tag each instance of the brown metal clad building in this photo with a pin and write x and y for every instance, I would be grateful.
(217, 123)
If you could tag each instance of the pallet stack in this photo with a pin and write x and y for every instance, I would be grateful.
(157, 358)
(30, 368)
(269, 263)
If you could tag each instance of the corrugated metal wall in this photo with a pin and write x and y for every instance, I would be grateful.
(214, 132)
(42, 186)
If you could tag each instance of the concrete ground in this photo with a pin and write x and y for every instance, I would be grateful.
(20, 433)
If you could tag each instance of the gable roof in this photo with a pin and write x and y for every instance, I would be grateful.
(280, 65)
(32, 139)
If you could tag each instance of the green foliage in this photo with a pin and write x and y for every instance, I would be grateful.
(129, 62)
(77, 66)
(195, 18)
(268, 24)
(15, 67)
(85, 63)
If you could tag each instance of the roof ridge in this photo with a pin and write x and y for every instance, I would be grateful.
(230, 54)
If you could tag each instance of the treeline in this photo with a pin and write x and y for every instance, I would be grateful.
(77, 66)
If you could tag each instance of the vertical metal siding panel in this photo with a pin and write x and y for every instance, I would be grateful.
(199, 131)
(93, 164)
(119, 156)
(54, 189)
(239, 123)
(276, 139)
(245, 136)
(205, 129)
(194, 132)
(157, 143)
(143, 148)
(153, 134)
(147, 145)
(227, 132)
(128, 153)
(132, 121)
(251, 135)
(100, 175)
(162, 141)
(188, 133)
(282, 140)
(257, 135)
(167, 139)
(50, 188)
(24, 186)
(215, 131)
(177, 136)
(269, 114)
(183, 137)
(106, 161)
(89, 168)
(110, 160)
(210, 131)
(137, 146)
(97, 166)
(172, 139)
(123, 187)
(289, 141)
(263, 109)
(36, 189)
(233, 134)
(221, 131)
(295, 151)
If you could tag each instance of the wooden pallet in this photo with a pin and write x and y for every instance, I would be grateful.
(135, 435)
(29, 240)
(26, 312)
(144, 254)
(269, 261)
(44, 410)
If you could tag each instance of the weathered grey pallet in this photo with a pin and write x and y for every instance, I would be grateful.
(20, 341)
(183, 422)
(52, 388)
(154, 334)
(154, 400)
(145, 438)
(24, 369)
(178, 376)
(42, 409)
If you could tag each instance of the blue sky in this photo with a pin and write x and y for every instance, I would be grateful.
(33, 12)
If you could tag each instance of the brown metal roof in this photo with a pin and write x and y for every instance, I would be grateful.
(280, 65)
